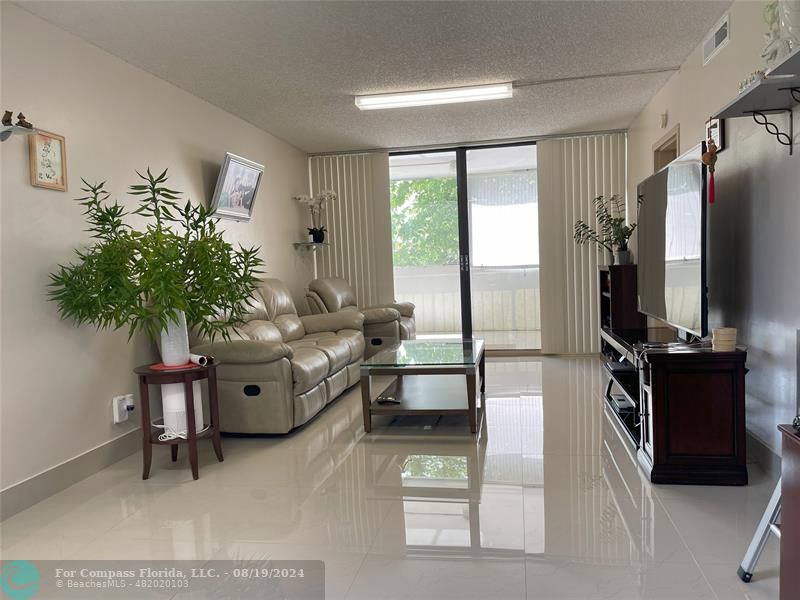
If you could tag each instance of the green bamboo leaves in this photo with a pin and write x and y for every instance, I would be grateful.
(612, 233)
(141, 279)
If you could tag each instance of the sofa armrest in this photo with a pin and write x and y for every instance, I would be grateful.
(344, 319)
(406, 309)
(244, 352)
(380, 315)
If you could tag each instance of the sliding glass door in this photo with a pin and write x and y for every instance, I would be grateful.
(504, 246)
(425, 240)
(465, 242)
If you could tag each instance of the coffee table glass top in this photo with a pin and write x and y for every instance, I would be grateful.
(416, 353)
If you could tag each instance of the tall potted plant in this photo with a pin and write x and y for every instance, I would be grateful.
(176, 272)
(612, 232)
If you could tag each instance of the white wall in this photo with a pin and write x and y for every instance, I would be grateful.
(695, 92)
(753, 243)
(57, 380)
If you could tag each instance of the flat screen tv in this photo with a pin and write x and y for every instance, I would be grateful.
(672, 244)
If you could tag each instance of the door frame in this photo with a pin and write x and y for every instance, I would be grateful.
(464, 243)
(664, 145)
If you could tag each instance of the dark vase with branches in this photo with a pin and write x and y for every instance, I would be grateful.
(177, 272)
(612, 232)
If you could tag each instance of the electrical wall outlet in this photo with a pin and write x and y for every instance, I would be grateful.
(130, 404)
(119, 407)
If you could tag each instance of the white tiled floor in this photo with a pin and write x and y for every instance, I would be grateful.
(547, 506)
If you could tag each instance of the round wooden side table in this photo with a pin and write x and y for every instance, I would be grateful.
(150, 436)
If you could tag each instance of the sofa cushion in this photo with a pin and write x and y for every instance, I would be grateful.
(197, 337)
(355, 339)
(256, 311)
(309, 367)
(280, 309)
(304, 343)
(335, 293)
(332, 322)
(310, 341)
(261, 330)
(337, 350)
(315, 337)
(277, 299)
(290, 326)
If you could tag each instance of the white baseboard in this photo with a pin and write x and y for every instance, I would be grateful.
(25, 494)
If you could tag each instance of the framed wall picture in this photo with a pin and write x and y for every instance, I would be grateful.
(236, 188)
(715, 130)
(48, 160)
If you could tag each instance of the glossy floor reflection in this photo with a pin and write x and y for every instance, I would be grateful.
(548, 505)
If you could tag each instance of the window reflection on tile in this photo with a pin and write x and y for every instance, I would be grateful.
(430, 470)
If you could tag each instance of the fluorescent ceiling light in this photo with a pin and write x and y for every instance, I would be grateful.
(473, 93)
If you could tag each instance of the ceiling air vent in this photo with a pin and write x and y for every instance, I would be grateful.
(716, 40)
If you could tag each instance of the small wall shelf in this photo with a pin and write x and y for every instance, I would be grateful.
(768, 96)
(312, 247)
(6, 131)
(789, 66)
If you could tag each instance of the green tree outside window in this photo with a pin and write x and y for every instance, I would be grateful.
(424, 222)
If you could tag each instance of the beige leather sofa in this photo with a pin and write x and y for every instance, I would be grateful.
(280, 369)
(383, 324)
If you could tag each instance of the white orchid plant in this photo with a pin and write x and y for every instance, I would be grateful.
(316, 204)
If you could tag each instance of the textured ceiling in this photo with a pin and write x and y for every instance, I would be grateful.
(292, 68)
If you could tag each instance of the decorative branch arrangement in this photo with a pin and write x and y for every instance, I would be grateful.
(612, 233)
(316, 204)
(144, 280)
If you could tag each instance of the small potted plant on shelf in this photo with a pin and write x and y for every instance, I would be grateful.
(612, 232)
(316, 204)
(176, 272)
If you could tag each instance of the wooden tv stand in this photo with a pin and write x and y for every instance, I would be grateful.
(681, 408)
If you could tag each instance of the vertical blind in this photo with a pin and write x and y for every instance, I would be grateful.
(571, 173)
(358, 222)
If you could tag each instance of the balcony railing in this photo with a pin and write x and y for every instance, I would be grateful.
(503, 298)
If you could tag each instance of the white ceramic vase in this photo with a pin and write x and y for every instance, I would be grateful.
(175, 352)
(175, 342)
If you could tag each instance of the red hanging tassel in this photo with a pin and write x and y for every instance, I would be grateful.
(712, 192)
(709, 159)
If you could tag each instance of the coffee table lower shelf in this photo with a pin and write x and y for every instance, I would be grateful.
(421, 395)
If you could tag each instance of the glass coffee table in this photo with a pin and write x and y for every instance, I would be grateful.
(427, 380)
